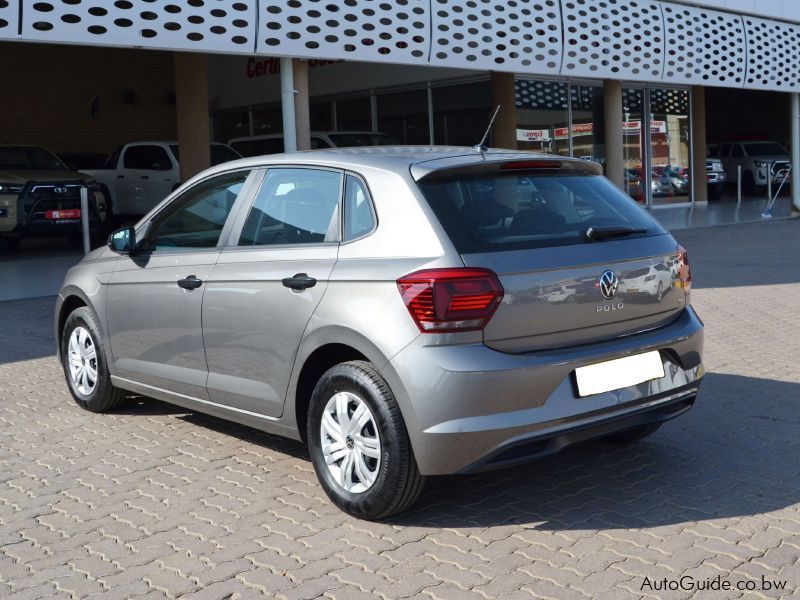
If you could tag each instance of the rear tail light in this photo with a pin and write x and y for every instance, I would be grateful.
(684, 271)
(446, 300)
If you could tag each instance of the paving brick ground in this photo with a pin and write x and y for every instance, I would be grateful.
(155, 502)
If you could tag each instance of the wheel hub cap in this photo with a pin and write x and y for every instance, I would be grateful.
(82, 360)
(350, 442)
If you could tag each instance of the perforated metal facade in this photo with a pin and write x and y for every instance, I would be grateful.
(200, 25)
(773, 57)
(9, 19)
(640, 40)
(619, 39)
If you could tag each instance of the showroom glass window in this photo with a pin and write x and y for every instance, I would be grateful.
(670, 145)
(588, 122)
(195, 219)
(404, 116)
(461, 113)
(354, 114)
(543, 116)
(633, 140)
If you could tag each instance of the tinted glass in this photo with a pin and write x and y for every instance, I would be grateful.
(294, 206)
(351, 140)
(195, 218)
(219, 154)
(765, 149)
(494, 212)
(358, 216)
(258, 147)
(27, 158)
(147, 158)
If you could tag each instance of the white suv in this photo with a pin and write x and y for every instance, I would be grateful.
(757, 159)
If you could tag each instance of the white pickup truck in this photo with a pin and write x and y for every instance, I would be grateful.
(138, 176)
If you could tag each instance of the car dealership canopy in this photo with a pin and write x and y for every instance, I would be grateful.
(637, 40)
(741, 44)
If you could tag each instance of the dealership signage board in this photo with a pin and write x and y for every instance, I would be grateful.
(533, 135)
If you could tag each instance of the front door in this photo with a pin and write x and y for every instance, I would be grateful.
(263, 290)
(155, 297)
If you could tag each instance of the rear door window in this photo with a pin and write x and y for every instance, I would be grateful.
(498, 211)
(294, 206)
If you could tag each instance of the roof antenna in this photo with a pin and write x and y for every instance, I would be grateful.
(481, 146)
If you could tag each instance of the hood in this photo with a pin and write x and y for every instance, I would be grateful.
(40, 176)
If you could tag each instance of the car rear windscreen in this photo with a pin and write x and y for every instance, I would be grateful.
(496, 211)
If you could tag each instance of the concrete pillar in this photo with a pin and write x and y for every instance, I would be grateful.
(796, 151)
(615, 140)
(504, 133)
(302, 114)
(699, 145)
(287, 106)
(191, 99)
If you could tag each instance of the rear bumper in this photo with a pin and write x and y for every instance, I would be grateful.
(470, 408)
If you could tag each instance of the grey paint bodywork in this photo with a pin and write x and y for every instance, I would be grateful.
(235, 347)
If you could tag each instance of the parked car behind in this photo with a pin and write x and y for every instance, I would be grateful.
(760, 162)
(40, 196)
(386, 306)
(258, 145)
(137, 176)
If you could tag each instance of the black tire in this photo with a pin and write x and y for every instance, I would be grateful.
(749, 183)
(631, 436)
(104, 396)
(398, 482)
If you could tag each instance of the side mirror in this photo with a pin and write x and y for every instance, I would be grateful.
(123, 241)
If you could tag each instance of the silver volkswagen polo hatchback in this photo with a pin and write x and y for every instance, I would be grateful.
(405, 311)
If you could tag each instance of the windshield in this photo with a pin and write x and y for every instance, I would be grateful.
(765, 149)
(492, 212)
(220, 153)
(29, 158)
(350, 140)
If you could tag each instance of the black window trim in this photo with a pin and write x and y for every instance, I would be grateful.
(244, 212)
(371, 206)
(143, 227)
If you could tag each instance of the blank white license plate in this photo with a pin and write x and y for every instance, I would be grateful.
(618, 374)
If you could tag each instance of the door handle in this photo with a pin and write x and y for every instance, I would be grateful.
(190, 283)
(299, 282)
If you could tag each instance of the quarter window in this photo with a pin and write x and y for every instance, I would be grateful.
(294, 206)
(359, 219)
(195, 219)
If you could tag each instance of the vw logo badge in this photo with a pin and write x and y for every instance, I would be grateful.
(609, 284)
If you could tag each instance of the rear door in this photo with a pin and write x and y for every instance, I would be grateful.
(267, 284)
(561, 289)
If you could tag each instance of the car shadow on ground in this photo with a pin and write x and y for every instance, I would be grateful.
(735, 454)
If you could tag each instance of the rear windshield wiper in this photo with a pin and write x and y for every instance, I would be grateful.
(595, 234)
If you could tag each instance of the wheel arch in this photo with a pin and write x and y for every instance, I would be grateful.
(319, 352)
(70, 298)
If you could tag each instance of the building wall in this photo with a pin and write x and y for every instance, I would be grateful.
(781, 9)
(76, 99)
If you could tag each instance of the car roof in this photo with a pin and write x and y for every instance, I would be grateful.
(422, 160)
(277, 136)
